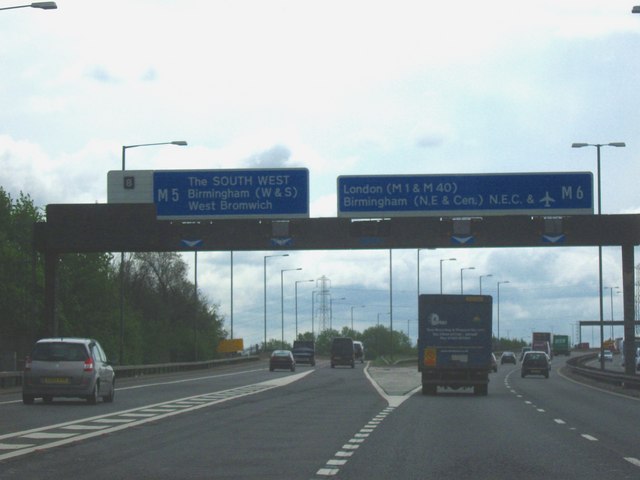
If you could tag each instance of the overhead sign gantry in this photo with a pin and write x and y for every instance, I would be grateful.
(152, 211)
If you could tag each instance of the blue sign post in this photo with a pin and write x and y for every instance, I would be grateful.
(215, 194)
(465, 195)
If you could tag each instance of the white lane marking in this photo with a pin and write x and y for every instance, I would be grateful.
(327, 472)
(541, 410)
(114, 420)
(633, 461)
(341, 457)
(7, 446)
(589, 437)
(63, 439)
(392, 400)
(47, 436)
(85, 427)
(341, 453)
(559, 421)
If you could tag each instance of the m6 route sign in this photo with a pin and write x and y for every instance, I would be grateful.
(246, 193)
(565, 193)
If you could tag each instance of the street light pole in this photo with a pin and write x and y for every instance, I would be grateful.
(181, 143)
(352, 307)
(444, 260)
(282, 301)
(498, 339)
(296, 295)
(489, 275)
(265, 294)
(598, 147)
(611, 298)
(461, 281)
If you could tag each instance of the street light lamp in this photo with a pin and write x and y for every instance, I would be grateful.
(352, 307)
(444, 260)
(282, 300)
(181, 143)
(461, 281)
(598, 147)
(498, 339)
(265, 294)
(40, 5)
(296, 295)
(481, 276)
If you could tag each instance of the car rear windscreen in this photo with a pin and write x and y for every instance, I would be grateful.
(59, 352)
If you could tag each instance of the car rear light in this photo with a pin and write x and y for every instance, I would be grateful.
(27, 364)
(88, 365)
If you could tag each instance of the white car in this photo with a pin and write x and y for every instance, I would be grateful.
(608, 356)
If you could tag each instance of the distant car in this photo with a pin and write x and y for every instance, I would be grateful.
(283, 360)
(494, 362)
(535, 363)
(608, 355)
(68, 367)
(304, 354)
(342, 352)
(358, 351)
(508, 357)
(523, 351)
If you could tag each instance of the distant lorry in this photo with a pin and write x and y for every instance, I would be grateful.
(541, 342)
(560, 345)
(454, 342)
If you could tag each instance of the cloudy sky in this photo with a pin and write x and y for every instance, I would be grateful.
(341, 88)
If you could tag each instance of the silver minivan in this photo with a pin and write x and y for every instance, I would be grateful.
(67, 367)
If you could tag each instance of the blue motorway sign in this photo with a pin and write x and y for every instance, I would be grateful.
(246, 193)
(465, 195)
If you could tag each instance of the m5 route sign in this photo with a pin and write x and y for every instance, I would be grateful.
(215, 194)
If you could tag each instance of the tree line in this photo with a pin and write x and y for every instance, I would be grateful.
(164, 318)
(377, 341)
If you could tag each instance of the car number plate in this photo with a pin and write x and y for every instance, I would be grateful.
(56, 380)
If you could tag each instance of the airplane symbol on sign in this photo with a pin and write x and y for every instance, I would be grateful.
(547, 200)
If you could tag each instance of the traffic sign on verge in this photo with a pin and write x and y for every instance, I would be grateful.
(465, 195)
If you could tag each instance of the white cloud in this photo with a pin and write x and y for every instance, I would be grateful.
(340, 88)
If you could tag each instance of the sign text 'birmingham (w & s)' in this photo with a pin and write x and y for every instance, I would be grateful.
(465, 195)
